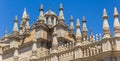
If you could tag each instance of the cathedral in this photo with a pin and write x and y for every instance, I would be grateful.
(50, 39)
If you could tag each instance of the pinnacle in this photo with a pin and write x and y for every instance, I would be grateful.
(83, 18)
(78, 22)
(16, 18)
(25, 13)
(41, 7)
(61, 7)
(115, 11)
(105, 13)
(71, 18)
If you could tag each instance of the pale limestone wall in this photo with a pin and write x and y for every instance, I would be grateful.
(25, 52)
(39, 33)
(106, 45)
(60, 32)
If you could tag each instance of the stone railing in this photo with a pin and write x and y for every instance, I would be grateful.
(68, 52)
(91, 49)
(65, 47)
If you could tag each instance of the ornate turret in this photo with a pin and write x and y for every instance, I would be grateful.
(71, 25)
(116, 23)
(55, 41)
(41, 18)
(61, 15)
(106, 29)
(15, 32)
(78, 33)
(84, 29)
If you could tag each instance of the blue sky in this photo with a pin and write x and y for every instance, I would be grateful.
(91, 9)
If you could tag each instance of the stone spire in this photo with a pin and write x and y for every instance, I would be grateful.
(71, 25)
(116, 23)
(16, 55)
(105, 25)
(84, 28)
(55, 41)
(25, 16)
(61, 15)
(78, 32)
(41, 16)
(15, 27)
(41, 10)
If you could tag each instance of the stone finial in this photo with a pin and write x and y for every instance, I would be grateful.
(41, 10)
(105, 13)
(41, 6)
(115, 12)
(71, 25)
(116, 23)
(78, 23)
(61, 15)
(105, 25)
(84, 27)
(78, 33)
(41, 17)
(61, 7)
(15, 27)
(25, 14)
